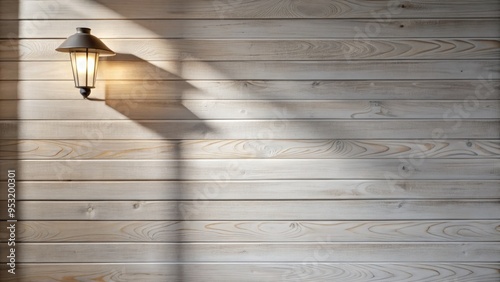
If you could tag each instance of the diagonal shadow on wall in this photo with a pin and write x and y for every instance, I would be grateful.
(144, 111)
(143, 108)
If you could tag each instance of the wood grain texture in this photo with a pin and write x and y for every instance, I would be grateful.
(256, 231)
(251, 129)
(257, 272)
(255, 252)
(257, 190)
(482, 89)
(247, 109)
(255, 50)
(268, 70)
(248, 169)
(178, 9)
(260, 140)
(260, 210)
(235, 149)
(257, 28)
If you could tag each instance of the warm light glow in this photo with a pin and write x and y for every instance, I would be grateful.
(84, 68)
(82, 63)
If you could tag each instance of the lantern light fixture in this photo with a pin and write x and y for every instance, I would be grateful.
(84, 51)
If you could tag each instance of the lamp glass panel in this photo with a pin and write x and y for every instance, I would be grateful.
(84, 66)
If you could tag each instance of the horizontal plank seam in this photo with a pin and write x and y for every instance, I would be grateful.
(252, 19)
(479, 79)
(251, 242)
(255, 263)
(256, 220)
(272, 60)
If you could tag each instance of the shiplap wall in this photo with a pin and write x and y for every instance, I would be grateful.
(255, 140)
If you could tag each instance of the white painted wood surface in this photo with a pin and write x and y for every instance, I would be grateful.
(263, 140)
(257, 231)
(223, 50)
(483, 89)
(244, 109)
(251, 129)
(271, 70)
(256, 272)
(249, 149)
(29, 9)
(259, 190)
(258, 28)
(260, 210)
(251, 169)
(257, 252)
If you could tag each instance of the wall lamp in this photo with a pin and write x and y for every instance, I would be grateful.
(84, 51)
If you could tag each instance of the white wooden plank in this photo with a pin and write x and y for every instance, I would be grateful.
(178, 9)
(257, 28)
(255, 231)
(483, 88)
(259, 210)
(247, 109)
(222, 50)
(256, 272)
(250, 169)
(251, 129)
(251, 252)
(257, 190)
(268, 70)
(237, 149)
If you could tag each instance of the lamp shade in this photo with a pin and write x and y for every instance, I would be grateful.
(84, 50)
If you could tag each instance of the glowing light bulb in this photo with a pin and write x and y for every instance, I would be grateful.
(83, 63)
(84, 68)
